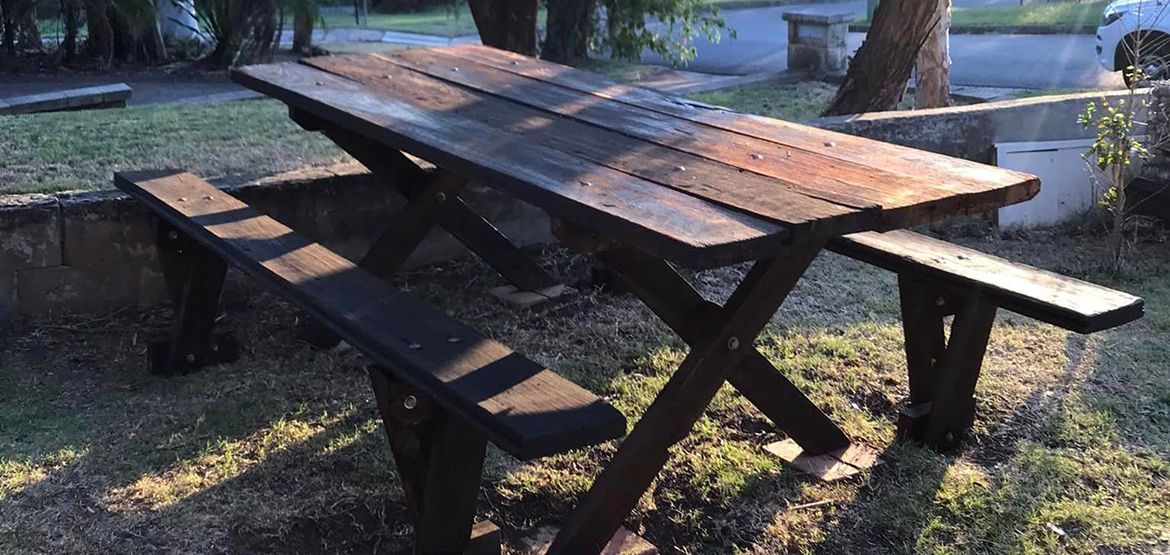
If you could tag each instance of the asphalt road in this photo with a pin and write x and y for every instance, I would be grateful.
(1014, 61)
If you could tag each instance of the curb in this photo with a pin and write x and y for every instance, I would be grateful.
(1003, 29)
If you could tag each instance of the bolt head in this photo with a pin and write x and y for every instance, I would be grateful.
(190, 357)
(441, 197)
(173, 235)
(732, 343)
(410, 402)
(414, 346)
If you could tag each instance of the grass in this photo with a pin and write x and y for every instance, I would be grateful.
(281, 451)
(81, 150)
(455, 21)
(1056, 14)
(790, 101)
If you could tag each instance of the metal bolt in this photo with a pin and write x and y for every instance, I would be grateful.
(453, 339)
(215, 347)
(414, 346)
(441, 197)
(940, 301)
(757, 156)
(585, 183)
(830, 144)
(515, 62)
(173, 235)
(950, 437)
(190, 357)
(733, 343)
(680, 168)
(454, 69)
(410, 402)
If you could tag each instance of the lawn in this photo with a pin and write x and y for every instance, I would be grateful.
(1056, 14)
(81, 150)
(282, 451)
(790, 101)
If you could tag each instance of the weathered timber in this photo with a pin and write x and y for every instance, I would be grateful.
(523, 408)
(682, 227)
(1059, 300)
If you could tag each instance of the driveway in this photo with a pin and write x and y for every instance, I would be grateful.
(1013, 61)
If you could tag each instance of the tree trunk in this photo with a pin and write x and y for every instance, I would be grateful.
(570, 27)
(878, 73)
(932, 75)
(100, 43)
(8, 21)
(507, 24)
(302, 33)
(71, 15)
(28, 33)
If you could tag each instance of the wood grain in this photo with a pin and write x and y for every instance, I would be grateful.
(677, 225)
(1059, 300)
(525, 409)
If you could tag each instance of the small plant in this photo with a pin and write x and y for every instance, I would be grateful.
(1114, 149)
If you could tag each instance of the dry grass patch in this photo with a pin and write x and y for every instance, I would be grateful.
(282, 451)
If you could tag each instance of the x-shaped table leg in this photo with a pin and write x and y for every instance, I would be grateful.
(721, 340)
(433, 200)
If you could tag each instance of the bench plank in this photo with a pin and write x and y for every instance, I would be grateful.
(1060, 300)
(683, 228)
(523, 408)
(902, 193)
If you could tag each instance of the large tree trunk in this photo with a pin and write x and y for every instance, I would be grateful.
(507, 24)
(302, 33)
(8, 22)
(71, 16)
(28, 34)
(932, 74)
(878, 73)
(570, 27)
(100, 43)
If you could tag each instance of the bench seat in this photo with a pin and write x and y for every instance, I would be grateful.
(525, 409)
(1059, 300)
(937, 279)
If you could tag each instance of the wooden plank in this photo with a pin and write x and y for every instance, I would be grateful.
(527, 410)
(905, 196)
(698, 176)
(928, 165)
(681, 402)
(1046, 296)
(676, 225)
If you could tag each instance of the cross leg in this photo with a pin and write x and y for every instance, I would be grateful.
(459, 219)
(194, 278)
(681, 307)
(440, 462)
(721, 344)
(942, 371)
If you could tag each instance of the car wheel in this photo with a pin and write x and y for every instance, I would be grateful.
(1154, 66)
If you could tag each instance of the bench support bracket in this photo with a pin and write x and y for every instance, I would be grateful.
(942, 371)
(426, 210)
(440, 463)
(720, 341)
(194, 278)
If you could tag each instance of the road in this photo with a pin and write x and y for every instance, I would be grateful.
(1012, 61)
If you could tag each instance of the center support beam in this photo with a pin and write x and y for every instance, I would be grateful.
(721, 343)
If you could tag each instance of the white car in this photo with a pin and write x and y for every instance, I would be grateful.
(1136, 33)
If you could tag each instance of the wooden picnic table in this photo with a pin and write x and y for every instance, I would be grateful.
(643, 180)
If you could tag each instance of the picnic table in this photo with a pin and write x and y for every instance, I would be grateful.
(644, 181)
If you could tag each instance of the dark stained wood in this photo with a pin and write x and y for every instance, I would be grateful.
(928, 165)
(682, 308)
(922, 327)
(459, 219)
(905, 197)
(194, 277)
(440, 461)
(710, 180)
(680, 403)
(410, 226)
(952, 406)
(677, 225)
(1059, 300)
(525, 409)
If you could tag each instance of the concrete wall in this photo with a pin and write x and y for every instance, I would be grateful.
(972, 131)
(95, 251)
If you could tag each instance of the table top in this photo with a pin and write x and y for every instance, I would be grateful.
(692, 182)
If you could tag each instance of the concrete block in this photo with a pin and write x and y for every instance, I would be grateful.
(816, 38)
(29, 232)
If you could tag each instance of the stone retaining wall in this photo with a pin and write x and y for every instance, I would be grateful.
(95, 251)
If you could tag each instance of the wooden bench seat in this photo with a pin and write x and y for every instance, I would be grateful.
(937, 279)
(442, 389)
(522, 407)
